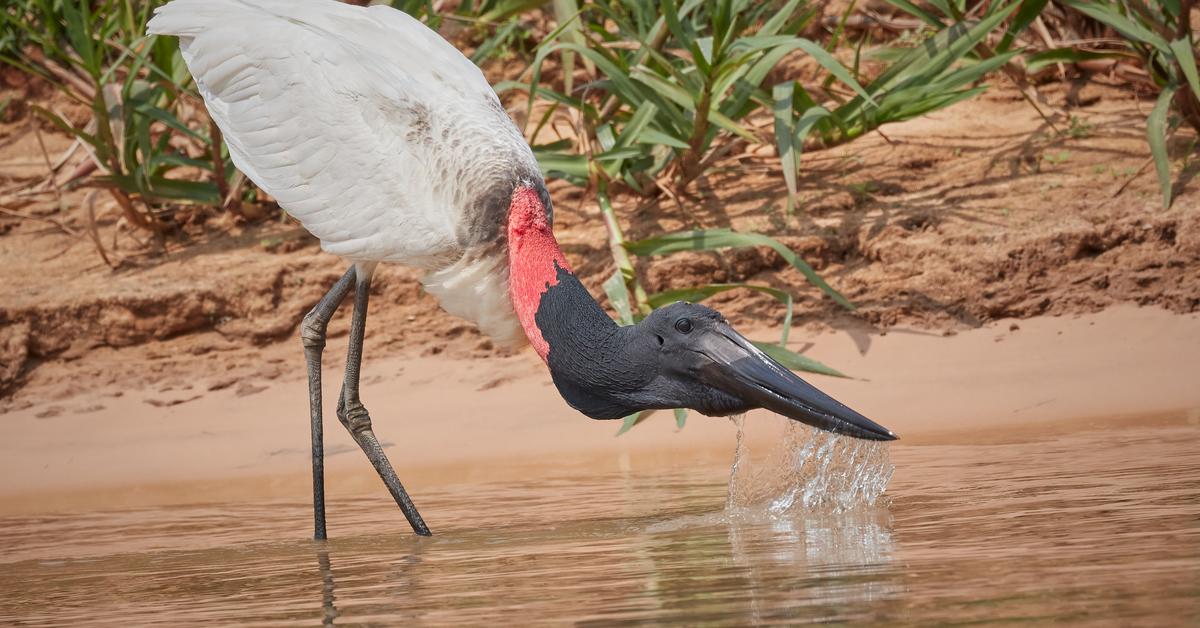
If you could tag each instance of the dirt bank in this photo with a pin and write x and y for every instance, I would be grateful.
(976, 213)
(449, 420)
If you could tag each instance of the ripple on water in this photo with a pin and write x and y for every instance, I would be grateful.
(1097, 526)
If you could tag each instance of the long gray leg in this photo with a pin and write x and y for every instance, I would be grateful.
(312, 335)
(354, 416)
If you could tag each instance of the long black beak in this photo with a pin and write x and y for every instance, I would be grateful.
(739, 368)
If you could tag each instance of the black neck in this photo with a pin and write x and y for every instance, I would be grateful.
(593, 361)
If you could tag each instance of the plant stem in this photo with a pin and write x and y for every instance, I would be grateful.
(227, 200)
(1185, 99)
(89, 203)
(689, 162)
(616, 244)
(111, 151)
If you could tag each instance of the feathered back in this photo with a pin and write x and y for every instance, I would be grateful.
(375, 133)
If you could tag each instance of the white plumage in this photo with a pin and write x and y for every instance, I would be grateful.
(375, 133)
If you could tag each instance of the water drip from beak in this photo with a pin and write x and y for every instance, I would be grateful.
(803, 468)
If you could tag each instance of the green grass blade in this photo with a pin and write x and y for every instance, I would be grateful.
(566, 13)
(619, 78)
(1187, 62)
(492, 44)
(1156, 134)
(65, 126)
(804, 126)
(934, 55)
(834, 67)
(636, 125)
(652, 136)
(163, 189)
(1107, 13)
(620, 255)
(904, 108)
(618, 296)
(574, 165)
(973, 72)
(796, 361)
(1172, 7)
(767, 62)
(79, 31)
(699, 293)
(918, 12)
(947, 9)
(783, 94)
(790, 135)
(676, 93)
(174, 160)
(684, 34)
(1028, 12)
(632, 420)
(505, 9)
(1037, 61)
(779, 19)
(727, 123)
(166, 118)
(708, 240)
(616, 156)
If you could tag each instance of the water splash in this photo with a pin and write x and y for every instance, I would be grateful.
(807, 469)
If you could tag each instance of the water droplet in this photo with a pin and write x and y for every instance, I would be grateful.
(807, 468)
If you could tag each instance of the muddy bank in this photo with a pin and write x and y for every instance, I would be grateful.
(449, 420)
(949, 222)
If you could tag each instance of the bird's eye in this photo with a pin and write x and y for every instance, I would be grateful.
(683, 325)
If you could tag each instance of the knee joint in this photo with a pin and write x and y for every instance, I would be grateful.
(312, 331)
(354, 417)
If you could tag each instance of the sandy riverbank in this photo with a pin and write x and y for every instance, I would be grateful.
(452, 420)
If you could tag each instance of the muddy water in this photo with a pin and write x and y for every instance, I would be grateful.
(1093, 526)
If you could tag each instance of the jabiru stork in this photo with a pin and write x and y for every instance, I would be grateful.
(388, 145)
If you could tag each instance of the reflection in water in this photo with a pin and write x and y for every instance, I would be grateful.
(1098, 526)
(807, 503)
(327, 597)
(841, 549)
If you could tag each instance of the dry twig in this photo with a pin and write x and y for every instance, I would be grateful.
(54, 221)
(50, 167)
(90, 204)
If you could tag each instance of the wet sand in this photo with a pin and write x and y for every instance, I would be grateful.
(452, 421)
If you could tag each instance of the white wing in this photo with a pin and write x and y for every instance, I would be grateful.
(380, 137)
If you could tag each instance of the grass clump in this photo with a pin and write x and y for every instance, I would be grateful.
(154, 149)
(1160, 34)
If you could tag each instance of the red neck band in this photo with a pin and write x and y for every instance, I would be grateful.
(532, 254)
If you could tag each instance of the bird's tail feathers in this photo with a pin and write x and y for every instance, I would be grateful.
(188, 18)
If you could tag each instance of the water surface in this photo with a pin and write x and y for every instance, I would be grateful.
(1095, 526)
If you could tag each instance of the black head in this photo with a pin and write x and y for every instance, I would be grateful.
(687, 356)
